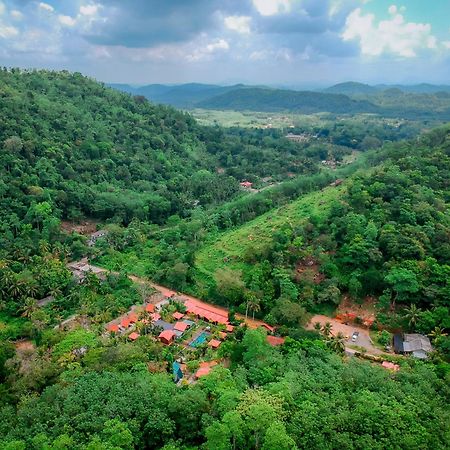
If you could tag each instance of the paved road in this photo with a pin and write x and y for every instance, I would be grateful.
(363, 339)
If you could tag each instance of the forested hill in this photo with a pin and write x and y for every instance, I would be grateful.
(263, 99)
(389, 103)
(92, 151)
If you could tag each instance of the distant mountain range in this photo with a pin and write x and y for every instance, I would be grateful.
(421, 101)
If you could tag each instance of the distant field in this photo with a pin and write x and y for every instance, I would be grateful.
(230, 247)
(252, 119)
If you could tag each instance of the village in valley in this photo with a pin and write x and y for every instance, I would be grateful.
(195, 333)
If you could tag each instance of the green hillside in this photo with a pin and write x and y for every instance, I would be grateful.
(231, 248)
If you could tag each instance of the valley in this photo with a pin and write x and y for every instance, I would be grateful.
(173, 279)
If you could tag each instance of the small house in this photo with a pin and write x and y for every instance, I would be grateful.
(113, 328)
(214, 343)
(125, 323)
(167, 337)
(133, 336)
(177, 315)
(181, 326)
(150, 308)
(414, 344)
(275, 341)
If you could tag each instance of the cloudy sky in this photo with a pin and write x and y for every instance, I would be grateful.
(290, 42)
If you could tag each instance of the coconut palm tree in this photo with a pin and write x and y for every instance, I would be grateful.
(337, 343)
(254, 306)
(326, 329)
(437, 334)
(318, 326)
(29, 307)
(412, 314)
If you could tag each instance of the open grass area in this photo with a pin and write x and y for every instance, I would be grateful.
(254, 119)
(229, 248)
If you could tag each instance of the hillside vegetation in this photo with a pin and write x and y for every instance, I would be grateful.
(167, 192)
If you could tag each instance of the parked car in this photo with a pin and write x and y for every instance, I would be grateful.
(355, 336)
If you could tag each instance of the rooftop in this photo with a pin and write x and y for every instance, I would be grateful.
(181, 326)
(274, 341)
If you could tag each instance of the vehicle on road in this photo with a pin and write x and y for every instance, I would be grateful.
(355, 336)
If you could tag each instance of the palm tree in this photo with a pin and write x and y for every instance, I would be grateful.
(254, 306)
(437, 334)
(337, 343)
(326, 329)
(412, 314)
(318, 326)
(29, 307)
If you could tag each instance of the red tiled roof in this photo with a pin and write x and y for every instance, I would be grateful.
(125, 323)
(150, 308)
(214, 343)
(132, 317)
(207, 312)
(156, 316)
(230, 328)
(223, 335)
(268, 327)
(275, 340)
(181, 326)
(133, 336)
(167, 335)
(113, 328)
(202, 372)
(177, 315)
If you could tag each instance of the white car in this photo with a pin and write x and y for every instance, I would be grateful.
(355, 336)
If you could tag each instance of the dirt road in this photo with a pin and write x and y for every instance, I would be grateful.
(363, 339)
(84, 266)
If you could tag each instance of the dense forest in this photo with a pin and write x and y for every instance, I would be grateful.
(345, 213)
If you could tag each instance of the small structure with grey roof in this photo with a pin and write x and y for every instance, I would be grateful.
(414, 344)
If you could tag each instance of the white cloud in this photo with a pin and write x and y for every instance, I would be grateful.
(271, 7)
(88, 10)
(446, 44)
(241, 24)
(16, 14)
(220, 44)
(392, 9)
(67, 20)
(8, 31)
(393, 36)
(46, 7)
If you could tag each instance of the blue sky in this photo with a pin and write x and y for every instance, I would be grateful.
(290, 42)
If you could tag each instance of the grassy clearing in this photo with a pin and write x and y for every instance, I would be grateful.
(229, 249)
(254, 119)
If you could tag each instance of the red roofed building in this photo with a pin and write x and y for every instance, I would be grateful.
(246, 184)
(133, 336)
(268, 327)
(177, 315)
(223, 335)
(167, 337)
(125, 322)
(202, 372)
(132, 317)
(274, 341)
(150, 308)
(214, 343)
(181, 326)
(229, 328)
(113, 328)
(155, 317)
